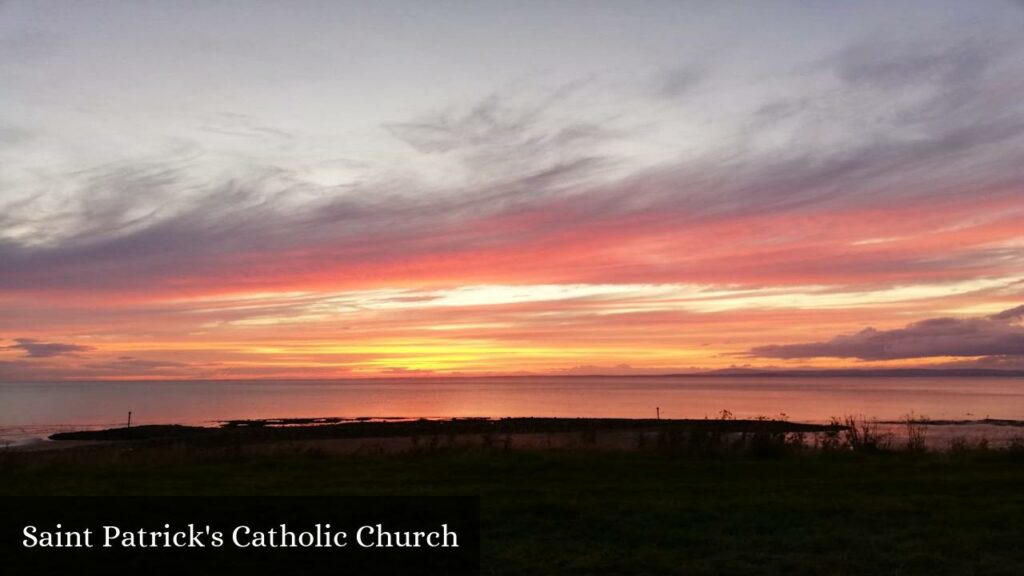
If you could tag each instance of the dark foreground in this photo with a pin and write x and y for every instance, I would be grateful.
(650, 510)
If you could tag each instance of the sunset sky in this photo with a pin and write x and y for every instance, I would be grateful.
(324, 189)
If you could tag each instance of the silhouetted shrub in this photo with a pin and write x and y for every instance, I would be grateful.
(863, 435)
(917, 431)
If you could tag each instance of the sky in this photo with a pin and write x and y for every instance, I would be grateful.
(325, 190)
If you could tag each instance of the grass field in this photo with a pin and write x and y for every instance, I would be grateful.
(625, 512)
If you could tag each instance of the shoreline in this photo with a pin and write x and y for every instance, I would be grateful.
(258, 430)
(389, 434)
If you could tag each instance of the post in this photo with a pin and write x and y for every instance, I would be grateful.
(657, 411)
(129, 418)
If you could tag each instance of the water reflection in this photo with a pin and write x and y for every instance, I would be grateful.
(805, 399)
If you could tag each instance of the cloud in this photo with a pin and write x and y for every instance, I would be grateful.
(1009, 315)
(538, 197)
(42, 370)
(681, 81)
(36, 349)
(898, 67)
(130, 364)
(998, 335)
(13, 135)
(501, 137)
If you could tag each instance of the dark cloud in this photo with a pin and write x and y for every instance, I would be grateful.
(36, 349)
(681, 81)
(894, 66)
(1009, 315)
(998, 335)
(13, 135)
(988, 362)
(500, 138)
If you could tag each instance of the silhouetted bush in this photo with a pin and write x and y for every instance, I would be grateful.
(917, 431)
(863, 435)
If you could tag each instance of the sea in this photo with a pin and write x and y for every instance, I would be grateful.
(31, 411)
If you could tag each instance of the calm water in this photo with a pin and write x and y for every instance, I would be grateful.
(33, 410)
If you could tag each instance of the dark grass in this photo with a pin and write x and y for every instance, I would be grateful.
(634, 512)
